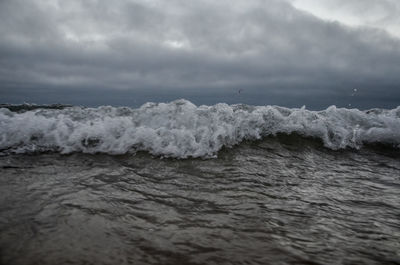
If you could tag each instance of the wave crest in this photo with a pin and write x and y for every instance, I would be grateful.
(180, 129)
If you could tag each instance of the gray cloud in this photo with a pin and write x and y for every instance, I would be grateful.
(94, 52)
(380, 14)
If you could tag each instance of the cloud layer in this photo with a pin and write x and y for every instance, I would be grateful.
(126, 52)
(379, 14)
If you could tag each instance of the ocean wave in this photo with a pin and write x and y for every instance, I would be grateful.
(181, 129)
(32, 106)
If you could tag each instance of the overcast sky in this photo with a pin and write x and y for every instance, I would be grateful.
(282, 52)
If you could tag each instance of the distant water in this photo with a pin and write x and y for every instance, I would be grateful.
(177, 183)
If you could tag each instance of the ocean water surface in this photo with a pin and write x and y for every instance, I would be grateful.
(175, 183)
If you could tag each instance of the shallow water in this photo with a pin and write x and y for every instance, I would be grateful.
(281, 200)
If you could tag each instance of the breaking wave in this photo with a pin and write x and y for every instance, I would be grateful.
(181, 129)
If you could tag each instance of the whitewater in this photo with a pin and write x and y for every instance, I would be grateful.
(176, 183)
(181, 129)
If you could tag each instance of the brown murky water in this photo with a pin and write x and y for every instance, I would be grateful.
(281, 200)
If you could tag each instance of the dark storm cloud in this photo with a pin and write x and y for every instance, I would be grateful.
(200, 50)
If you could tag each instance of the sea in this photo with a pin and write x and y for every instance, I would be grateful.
(175, 183)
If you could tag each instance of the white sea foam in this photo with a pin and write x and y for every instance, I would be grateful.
(180, 129)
